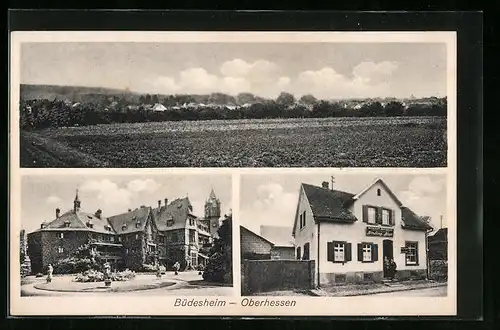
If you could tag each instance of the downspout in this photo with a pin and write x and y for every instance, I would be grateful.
(317, 261)
(427, 261)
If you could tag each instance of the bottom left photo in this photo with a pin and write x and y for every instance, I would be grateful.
(146, 234)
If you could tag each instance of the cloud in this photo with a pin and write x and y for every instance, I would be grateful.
(425, 196)
(109, 193)
(148, 185)
(374, 73)
(272, 206)
(264, 78)
(53, 199)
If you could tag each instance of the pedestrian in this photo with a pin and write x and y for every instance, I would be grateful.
(386, 267)
(49, 273)
(177, 266)
(393, 268)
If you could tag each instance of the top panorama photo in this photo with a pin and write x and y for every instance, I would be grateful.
(212, 104)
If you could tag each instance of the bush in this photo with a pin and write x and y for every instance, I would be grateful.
(122, 276)
(97, 276)
(438, 270)
(73, 265)
(148, 268)
(90, 276)
(216, 268)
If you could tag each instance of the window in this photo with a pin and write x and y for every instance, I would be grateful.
(170, 223)
(367, 252)
(112, 239)
(378, 192)
(119, 238)
(191, 222)
(61, 235)
(302, 219)
(175, 237)
(299, 254)
(386, 217)
(60, 249)
(338, 252)
(306, 252)
(372, 214)
(411, 253)
(136, 236)
(126, 251)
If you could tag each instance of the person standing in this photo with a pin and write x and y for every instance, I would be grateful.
(393, 268)
(49, 273)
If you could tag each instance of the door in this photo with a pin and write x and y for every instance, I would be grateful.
(388, 254)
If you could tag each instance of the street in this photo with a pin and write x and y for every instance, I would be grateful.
(430, 292)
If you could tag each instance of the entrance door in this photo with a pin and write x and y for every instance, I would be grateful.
(388, 254)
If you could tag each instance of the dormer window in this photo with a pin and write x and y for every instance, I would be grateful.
(138, 224)
(124, 226)
(88, 216)
(67, 223)
(90, 224)
(170, 223)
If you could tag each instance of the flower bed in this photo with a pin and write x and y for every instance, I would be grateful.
(96, 276)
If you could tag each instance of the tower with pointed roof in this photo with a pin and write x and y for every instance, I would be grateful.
(76, 203)
(212, 212)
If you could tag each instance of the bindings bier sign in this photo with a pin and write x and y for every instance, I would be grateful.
(379, 231)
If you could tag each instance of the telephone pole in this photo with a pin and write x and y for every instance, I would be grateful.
(332, 179)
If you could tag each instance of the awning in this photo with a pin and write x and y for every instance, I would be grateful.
(203, 256)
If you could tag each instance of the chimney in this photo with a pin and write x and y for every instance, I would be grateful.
(159, 204)
(129, 210)
(166, 202)
(58, 213)
(324, 184)
(98, 213)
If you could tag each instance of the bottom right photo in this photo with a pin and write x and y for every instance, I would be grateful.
(344, 234)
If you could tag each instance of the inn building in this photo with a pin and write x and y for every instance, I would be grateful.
(349, 235)
(169, 233)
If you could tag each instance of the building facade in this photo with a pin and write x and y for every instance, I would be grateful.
(166, 234)
(350, 234)
(254, 246)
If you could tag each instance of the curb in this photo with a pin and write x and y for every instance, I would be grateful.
(31, 289)
(368, 293)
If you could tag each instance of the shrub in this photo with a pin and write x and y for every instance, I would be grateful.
(122, 276)
(148, 268)
(438, 270)
(90, 276)
(97, 276)
(72, 265)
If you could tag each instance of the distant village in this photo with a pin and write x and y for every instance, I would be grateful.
(49, 106)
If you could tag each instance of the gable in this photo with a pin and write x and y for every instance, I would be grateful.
(374, 187)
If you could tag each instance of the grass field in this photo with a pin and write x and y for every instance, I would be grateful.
(329, 142)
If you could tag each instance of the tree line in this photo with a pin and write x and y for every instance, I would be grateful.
(39, 114)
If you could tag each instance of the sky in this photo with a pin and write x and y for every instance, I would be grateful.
(326, 70)
(115, 194)
(272, 199)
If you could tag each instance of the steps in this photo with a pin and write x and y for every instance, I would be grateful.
(392, 283)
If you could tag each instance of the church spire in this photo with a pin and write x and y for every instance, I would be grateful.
(212, 195)
(76, 203)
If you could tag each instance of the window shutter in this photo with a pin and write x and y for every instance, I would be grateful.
(347, 252)
(329, 253)
(298, 253)
(365, 213)
(360, 252)
(416, 252)
(374, 252)
(393, 217)
(378, 215)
